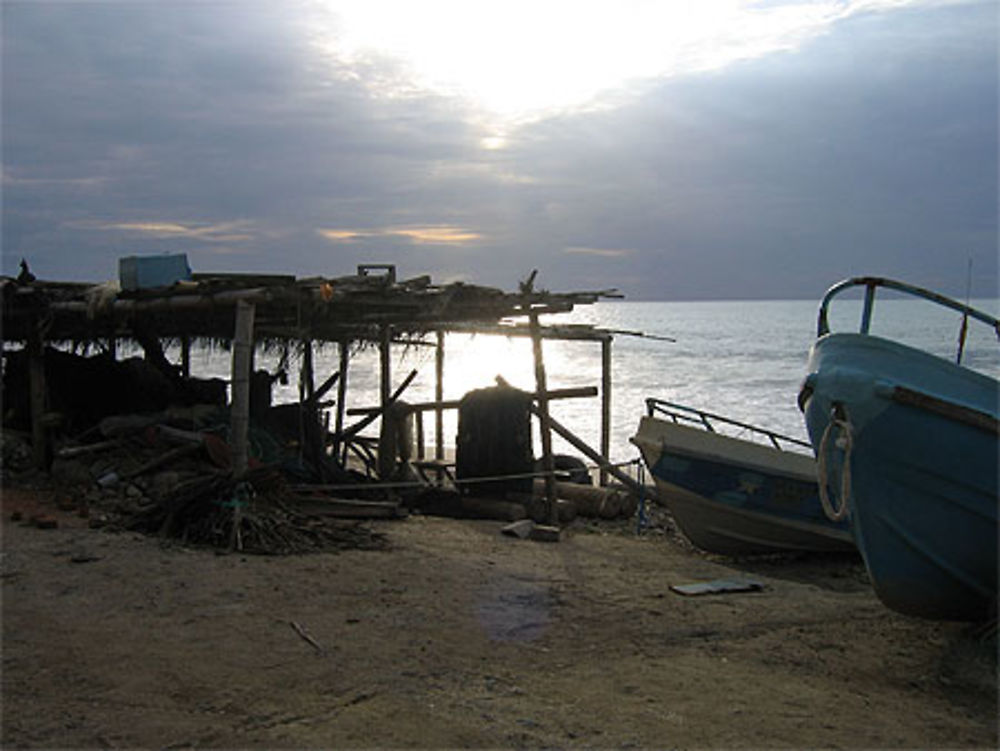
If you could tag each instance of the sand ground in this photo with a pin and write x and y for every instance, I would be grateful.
(458, 636)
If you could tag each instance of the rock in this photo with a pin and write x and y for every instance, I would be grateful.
(521, 529)
(545, 533)
(70, 473)
(44, 521)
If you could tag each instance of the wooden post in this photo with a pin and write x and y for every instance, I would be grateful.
(36, 396)
(385, 335)
(605, 405)
(386, 463)
(186, 357)
(419, 418)
(239, 417)
(439, 397)
(307, 386)
(344, 350)
(543, 417)
(240, 410)
(306, 407)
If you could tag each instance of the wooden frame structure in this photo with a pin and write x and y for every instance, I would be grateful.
(371, 306)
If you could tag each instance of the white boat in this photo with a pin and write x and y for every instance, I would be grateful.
(733, 495)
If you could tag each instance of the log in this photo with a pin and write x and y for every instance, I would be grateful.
(71, 451)
(490, 508)
(545, 533)
(590, 501)
(538, 509)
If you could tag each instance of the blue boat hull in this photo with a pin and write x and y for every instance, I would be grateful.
(923, 475)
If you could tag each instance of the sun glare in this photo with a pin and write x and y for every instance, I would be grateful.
(519, 60)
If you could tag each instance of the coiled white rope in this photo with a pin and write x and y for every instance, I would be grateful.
(845, 442)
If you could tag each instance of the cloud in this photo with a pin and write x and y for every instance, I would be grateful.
(869, 145)
(568, 54)
(439, 235)
(601, 252)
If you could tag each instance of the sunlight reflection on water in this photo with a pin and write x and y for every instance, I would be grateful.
(744, 360)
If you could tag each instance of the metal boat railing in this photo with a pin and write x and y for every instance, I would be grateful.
(680, 413)
(872, 283)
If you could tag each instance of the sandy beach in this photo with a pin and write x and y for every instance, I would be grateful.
(455, 635)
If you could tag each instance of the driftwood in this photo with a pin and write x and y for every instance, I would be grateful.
(162, 459)
(306, 637)
(73, 451)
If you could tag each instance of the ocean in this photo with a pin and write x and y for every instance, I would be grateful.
(741, 359)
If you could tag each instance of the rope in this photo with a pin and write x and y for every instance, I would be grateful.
(846, 443)
(641, 519)
(463, 481)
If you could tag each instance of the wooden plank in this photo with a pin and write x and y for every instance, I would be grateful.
(567, 393)
(590, 453)
(348, 508)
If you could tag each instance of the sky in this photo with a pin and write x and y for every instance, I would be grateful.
(723, 149)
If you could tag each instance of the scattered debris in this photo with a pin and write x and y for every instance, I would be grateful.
(544, 533)
(521, 529)
(306, 637)
(717, 586)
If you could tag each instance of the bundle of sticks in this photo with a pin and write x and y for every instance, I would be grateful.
(253, 515)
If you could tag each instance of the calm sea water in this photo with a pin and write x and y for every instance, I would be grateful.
(744, 360)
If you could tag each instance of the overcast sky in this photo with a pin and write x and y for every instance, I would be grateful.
(671, 150)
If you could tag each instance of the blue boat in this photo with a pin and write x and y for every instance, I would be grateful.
(734, 488)
(906, 448)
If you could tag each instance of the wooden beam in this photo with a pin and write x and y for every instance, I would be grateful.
(587, 451)
(568, 393)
